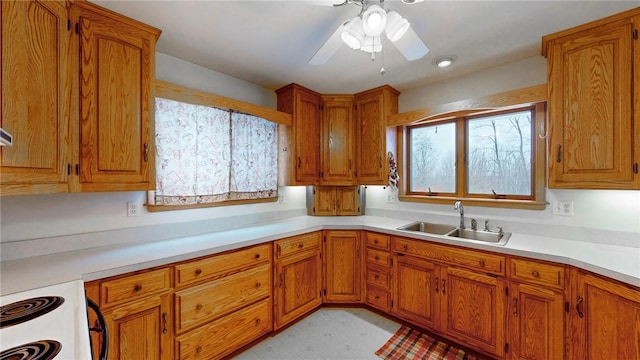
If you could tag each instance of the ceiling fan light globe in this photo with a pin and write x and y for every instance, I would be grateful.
(374, 20)
(352, 34)
(397, 26)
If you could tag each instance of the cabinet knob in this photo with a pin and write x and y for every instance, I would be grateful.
(375, 241)
(137, 288)
(198, 271)
(198, 307)
(257, 256)
(376, 277)
(300, 246)
(535, 274)
(482, 263)
(258, 321)
(199, 349)
(376, 257)
(377, 297)
(405, 247)
(258, 285)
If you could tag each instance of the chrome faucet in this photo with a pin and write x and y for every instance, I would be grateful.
(458, 206)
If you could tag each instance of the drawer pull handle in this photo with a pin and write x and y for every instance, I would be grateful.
(258, 321)
(535, 274)
(137, 288)
(405, 247)
(164, 322)
(580, 306)
(376, 277)
(257, 256)
(198, 307)
(444, 290)
(376, 257)
(198, 271)
(482, 263)
(375, 241)
(515, 307)
(199, 349)
(437, 288)
(300, 246)
(377, 297)
(258, 285)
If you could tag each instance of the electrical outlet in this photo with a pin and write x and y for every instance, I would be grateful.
(281, 199)
(133, 209)
(564, 208)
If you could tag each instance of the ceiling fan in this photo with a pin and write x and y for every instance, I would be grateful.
(364, 32)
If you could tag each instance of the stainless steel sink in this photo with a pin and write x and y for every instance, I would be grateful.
(498, 238)
(430, 228)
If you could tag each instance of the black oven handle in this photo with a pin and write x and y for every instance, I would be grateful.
(101, 328)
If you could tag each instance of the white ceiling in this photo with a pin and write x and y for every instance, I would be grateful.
(269, 43)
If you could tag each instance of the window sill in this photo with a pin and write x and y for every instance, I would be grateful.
(497, 203)
(157, 208)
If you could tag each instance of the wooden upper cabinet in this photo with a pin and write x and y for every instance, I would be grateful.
(337, 145)
(116, 65)
(372, 108)
(77, 97)
(299, 150)
(592, 124)
(36, 97)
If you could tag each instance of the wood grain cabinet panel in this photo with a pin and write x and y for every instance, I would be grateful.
(219, 338)
(593, 127)
(342, 266)
(605, 318)
(134, 287)
(416, 291)
(337, 141)
(297, 277)
(81, 109)
(334, 200)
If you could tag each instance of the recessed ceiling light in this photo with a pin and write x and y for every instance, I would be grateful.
(444, 61)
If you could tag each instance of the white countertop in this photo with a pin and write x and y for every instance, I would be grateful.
(618, 262)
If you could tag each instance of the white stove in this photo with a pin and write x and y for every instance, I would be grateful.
(45, 323)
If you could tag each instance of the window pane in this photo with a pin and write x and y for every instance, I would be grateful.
(499, 154)
(433, 158)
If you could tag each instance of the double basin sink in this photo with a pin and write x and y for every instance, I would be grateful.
(482, 236)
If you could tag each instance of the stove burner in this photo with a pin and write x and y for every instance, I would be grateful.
(25, 310)
(38, 350)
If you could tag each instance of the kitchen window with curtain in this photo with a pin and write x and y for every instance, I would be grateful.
(208, 155)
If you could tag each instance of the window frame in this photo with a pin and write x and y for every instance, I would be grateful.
(534, 97)
(180, 93)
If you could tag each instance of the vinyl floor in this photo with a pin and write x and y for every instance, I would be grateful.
(327, 334)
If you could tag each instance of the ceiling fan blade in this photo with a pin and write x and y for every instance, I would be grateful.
(411, 46)
(329, 47)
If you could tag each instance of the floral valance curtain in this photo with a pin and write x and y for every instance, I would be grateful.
(206, 155)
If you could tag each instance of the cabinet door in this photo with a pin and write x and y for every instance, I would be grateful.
(536, 323)
(116, 70)
(343, 266)
(141, 330)
(307, 138)
(372, 108)
(590, 109)
(348, 200)
(605, 319)
(297, 286)
(474, 308)
(416, 291)
(36, 97)
(337, 141)
(324, 200)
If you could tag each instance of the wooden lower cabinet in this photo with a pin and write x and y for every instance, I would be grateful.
(138, 312)
(342, 266)
(297, 277)
(416, 292)
(605, 318)
(378, 264)
(221, 337)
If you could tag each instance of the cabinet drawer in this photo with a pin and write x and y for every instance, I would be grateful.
(134, 287)
(537, 272)
(378, 298)
(476, 260)
(378, 257)
(221, 337)
(378, 240)
(378, 276)
(196, 270)
(203, 303)
(297, 244)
